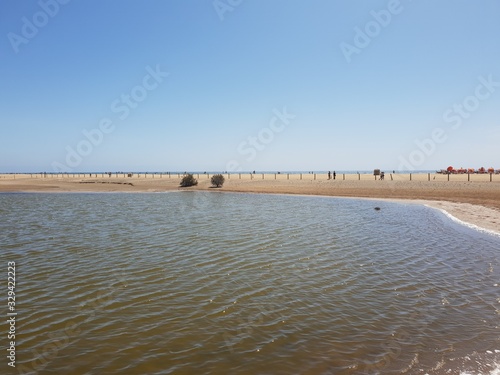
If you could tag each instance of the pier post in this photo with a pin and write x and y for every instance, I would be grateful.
(448, 177)
(491, 174)
(428, 176)
(468, 176)
(410, 176)
(288, 176)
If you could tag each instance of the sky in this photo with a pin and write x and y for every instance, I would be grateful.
(240, 85)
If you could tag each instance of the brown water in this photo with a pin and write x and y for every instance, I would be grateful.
(209, 283)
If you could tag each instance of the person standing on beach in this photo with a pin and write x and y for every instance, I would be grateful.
(329, 175)
(334, 175)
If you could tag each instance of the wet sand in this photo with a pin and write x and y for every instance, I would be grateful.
(472, 199)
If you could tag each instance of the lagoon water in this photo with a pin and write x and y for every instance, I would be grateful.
(223, 283)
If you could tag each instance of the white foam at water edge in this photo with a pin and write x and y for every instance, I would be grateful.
(495, 371)
(469, 225)
(489, 360)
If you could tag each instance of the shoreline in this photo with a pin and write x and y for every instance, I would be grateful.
(475, 204)
(465, 223)
(430, 204)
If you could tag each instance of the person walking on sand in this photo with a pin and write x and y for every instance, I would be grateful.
(334, 175)
(329, 175)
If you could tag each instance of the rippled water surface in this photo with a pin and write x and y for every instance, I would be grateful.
(220, 283)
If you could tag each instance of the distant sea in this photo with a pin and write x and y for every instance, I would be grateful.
(226, 283)
(256, 171)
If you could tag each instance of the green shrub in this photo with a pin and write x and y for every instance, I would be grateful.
(188, 180)
(217, 180)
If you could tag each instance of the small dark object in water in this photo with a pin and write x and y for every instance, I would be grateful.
(377, 208)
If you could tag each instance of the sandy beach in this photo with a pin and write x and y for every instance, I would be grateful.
(472, 199)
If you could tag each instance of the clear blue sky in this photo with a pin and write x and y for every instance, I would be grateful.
(68, 67)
